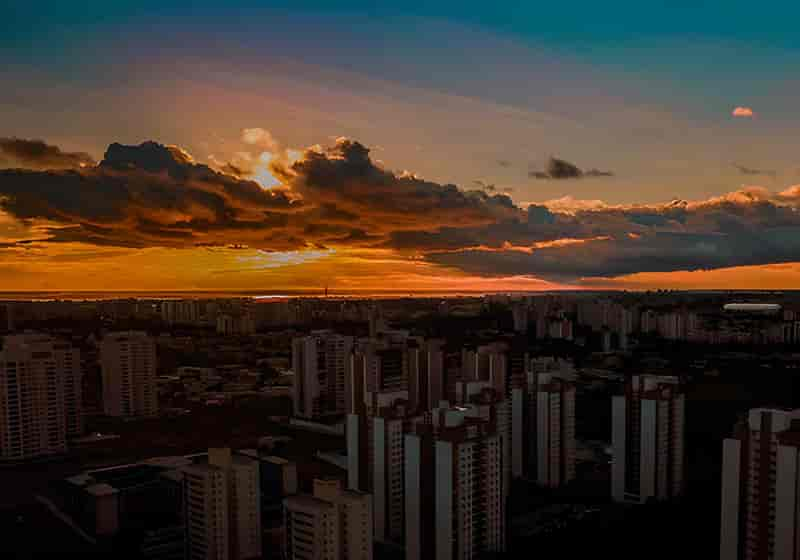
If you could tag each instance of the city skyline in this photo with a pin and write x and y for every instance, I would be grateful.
(298, 148)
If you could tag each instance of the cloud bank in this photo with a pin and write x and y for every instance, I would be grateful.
(36, 154)
(153, 195)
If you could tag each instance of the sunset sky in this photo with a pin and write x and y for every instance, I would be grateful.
(409, 146)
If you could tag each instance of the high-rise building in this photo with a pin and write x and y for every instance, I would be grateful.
(483, 399)
(503, 366)
(320, 362)
(223, 515)
(236, 323)
(333, 524)
(455, 506)
(6, 317)
(381, 364)
(760, 511)
(648, 439)
(40, 396)
(128, 361)
(375, 454)
(543, 417)
(278, 479)
(426, 379)
(520, 312)
(180, 311)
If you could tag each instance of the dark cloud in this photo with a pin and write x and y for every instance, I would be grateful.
(598, 173)
(345, 176)
(749, 227)
(157, 196)
(36, 154)
(752, 171)
(616, 256)
(147, 195)
(489, 187)
(559, 169)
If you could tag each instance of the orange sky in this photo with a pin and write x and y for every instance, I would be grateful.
(151, 218)
(76, 267)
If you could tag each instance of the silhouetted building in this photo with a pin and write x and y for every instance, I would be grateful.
(760, 512)
(455, 506)
(543, 414)
(223, 514)
(320, 363)
(648, 440)
(128, 361)
(40, 396)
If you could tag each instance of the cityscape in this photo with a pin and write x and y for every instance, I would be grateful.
(460, 427)
(372, 280)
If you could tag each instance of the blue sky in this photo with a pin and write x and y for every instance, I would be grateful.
(670, 72)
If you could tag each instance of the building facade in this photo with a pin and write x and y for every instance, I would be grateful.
(648, 440)
(222, 508)
(760, 483)
(320, 363)
(40, 396)
(331, 524)
(128, 362)
(455, 507)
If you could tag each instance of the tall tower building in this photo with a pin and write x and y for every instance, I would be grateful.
(206, 517)
(333, 524)
(760, 487)
(426, 379)
(484, 400)
(503, 366)
(40, 396)
(375, 453)
(543, 441)
(454, 500)
(520, 312)
(128, 361)
(382, 364)
(648, 439)
(320, 362)
(379, 414)
(223, 512)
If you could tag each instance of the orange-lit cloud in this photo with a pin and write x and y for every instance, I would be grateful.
(337, 205)
(745, 112)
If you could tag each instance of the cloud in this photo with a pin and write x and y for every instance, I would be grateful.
(743, 112)
(598, 173)
(261, 138)
(747, 227)
(36, 154)
(752, 171)
(344, 176)
(559, 169)
(146, 195)
(488, 187)
(156, 196)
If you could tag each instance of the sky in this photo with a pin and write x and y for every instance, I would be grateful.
(415, 146)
